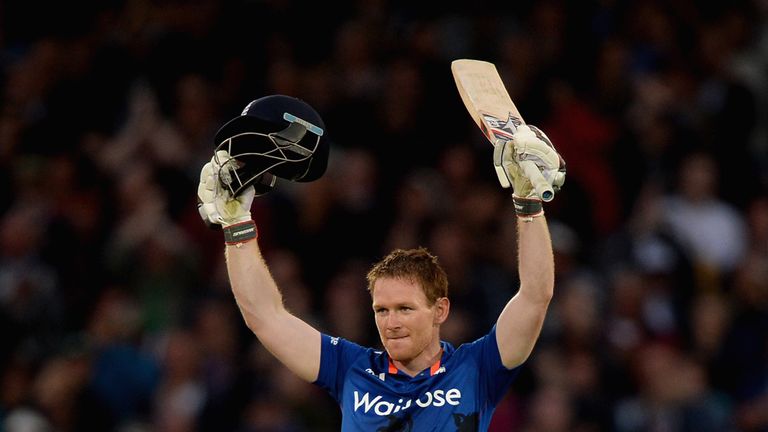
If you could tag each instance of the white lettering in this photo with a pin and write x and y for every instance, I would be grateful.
(425, 404)
(365, 400)
(388, 405)
(439, 401)
(451, 394)
(381, 407)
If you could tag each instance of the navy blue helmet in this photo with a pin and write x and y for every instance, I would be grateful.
(275, 136)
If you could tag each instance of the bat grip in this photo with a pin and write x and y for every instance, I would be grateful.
(540, 184)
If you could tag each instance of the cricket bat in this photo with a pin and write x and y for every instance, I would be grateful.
(488, 102)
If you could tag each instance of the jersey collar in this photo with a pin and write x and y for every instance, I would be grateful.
(433, 370)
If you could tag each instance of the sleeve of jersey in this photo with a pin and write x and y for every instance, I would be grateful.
(336, 357)
(494, 376)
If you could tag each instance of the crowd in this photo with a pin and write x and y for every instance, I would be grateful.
(115, 308)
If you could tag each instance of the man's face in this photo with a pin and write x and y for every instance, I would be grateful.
(407, 324)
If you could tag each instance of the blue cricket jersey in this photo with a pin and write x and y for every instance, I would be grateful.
(458, 393)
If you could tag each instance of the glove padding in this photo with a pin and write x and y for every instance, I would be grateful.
(217, 206)
(528, 143)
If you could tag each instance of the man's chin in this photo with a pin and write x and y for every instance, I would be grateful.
(398, 355)
(397, 349)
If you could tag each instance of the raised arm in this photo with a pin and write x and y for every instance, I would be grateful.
(521, 320)
(295, 343)
(519, 324)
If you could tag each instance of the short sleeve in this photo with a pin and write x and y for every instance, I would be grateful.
(336, 357)
(495, 378)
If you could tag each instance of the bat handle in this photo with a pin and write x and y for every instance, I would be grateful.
(540, 184)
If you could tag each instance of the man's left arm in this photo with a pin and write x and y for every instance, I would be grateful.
(520, 323)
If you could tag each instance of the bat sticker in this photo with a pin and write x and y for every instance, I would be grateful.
(500, 128)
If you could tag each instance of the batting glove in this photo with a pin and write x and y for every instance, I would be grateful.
(217, 206)
(529, 143)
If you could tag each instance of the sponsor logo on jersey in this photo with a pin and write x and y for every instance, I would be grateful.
(380, 376)
(382, 407)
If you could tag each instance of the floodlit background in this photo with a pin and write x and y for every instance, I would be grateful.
(115, 311)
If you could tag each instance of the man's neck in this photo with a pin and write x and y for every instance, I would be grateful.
(427, 358)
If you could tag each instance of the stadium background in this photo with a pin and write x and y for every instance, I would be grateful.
(114, 304)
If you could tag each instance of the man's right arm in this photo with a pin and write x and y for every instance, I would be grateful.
(292, 341)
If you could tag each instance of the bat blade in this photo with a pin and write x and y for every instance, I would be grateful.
(490, 106)
(482, 90)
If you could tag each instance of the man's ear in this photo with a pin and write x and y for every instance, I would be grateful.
(442, 308)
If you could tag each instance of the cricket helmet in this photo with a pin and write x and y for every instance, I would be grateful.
(275, 136)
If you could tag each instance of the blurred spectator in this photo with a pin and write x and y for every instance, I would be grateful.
(743, 359)
(711, 316)
(449, 241)
(29, 297)
(62, 393)
(221, 370)
(346, 292)
(583, 138)
(269, 415)
(26, 420)
(420, 201)
(653, 273)
(156, 265)
(578, 308)
(181, 395)
(726, 105)
(673, 395)
(80, 214)
(712, 231)
(123, 377)
(287, 272)
(550, 411)
(356, 219)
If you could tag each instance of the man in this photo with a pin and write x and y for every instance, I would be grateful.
(418, 383)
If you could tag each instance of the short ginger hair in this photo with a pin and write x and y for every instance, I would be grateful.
(415, 265)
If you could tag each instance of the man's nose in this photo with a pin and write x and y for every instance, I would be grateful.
(393, 322)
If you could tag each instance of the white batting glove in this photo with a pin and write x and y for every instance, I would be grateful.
(529, 143)
(217, 206)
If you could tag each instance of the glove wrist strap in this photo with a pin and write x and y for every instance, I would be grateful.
(239, 233)
(527, 208)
